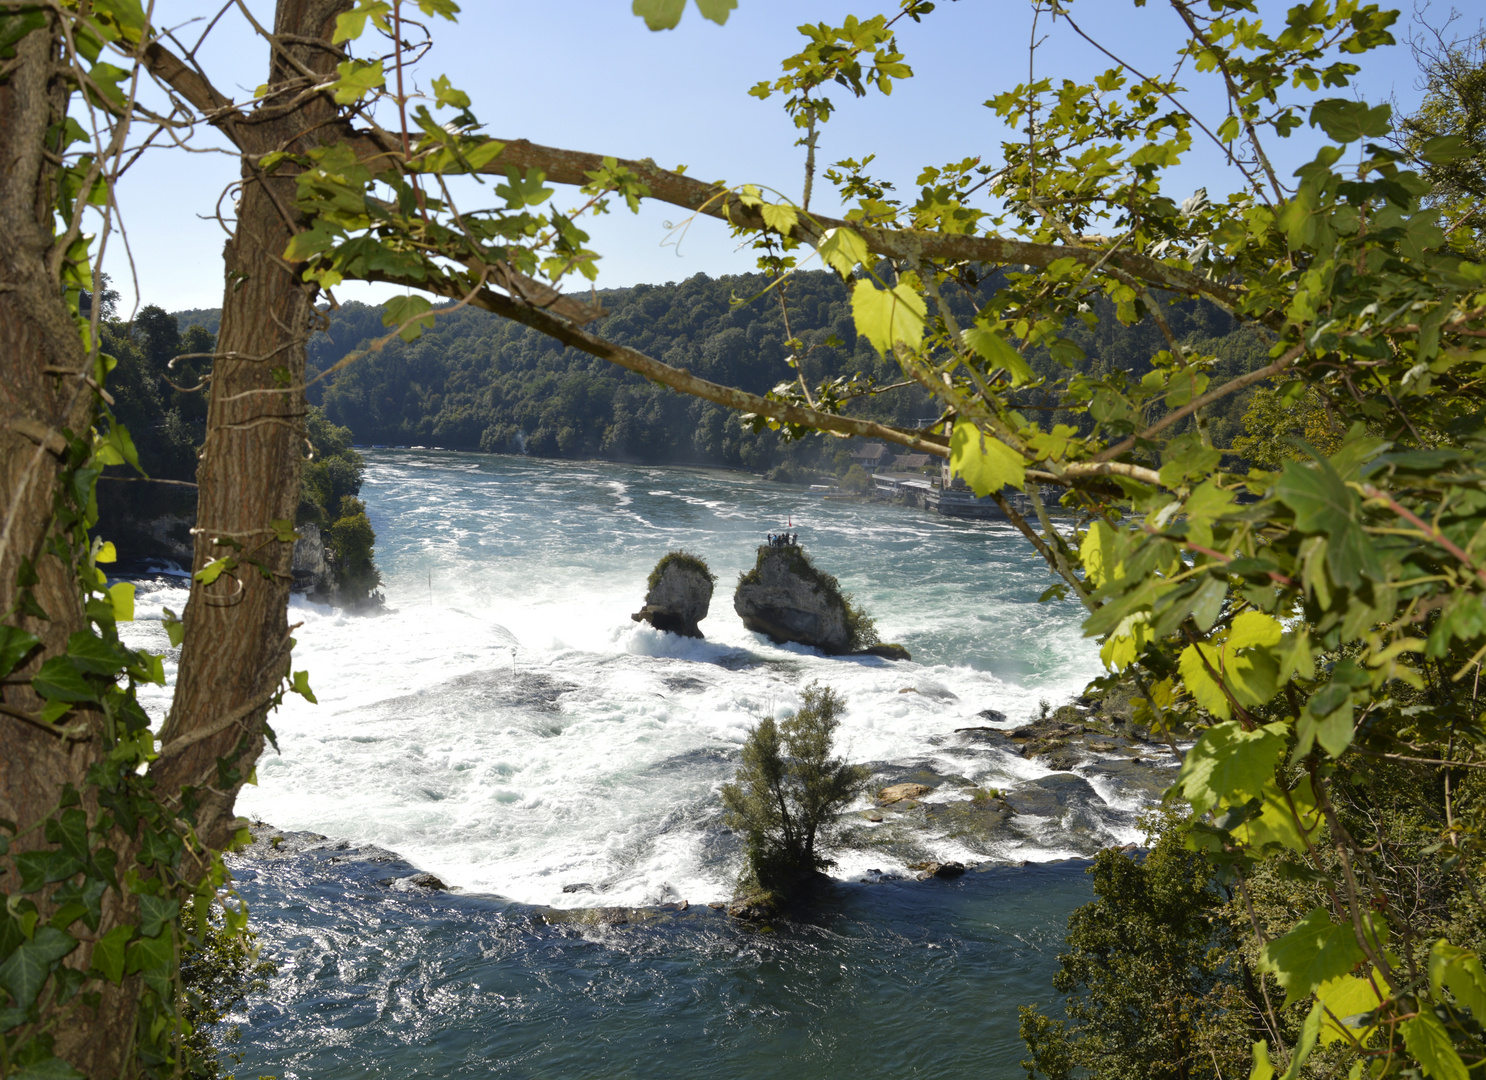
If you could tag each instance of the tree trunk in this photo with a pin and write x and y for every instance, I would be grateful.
(39, 347)
(237, 643)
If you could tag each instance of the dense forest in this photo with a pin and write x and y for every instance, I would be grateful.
(476, 382)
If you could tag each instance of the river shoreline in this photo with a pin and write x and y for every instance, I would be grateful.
(365, 867)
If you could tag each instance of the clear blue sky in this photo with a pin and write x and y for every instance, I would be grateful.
(587, 74)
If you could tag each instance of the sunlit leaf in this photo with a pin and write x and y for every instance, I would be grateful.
(994, 350)
(888, 316)
(1431, 1044)
(659, 14)
(121, 594)
(1230, 764)
(1348, 121)
(843, 249)
(409, 310)
(1313, 952)
(781, 217)
(986, 463)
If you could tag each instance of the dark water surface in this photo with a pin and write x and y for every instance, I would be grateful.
(893, 979)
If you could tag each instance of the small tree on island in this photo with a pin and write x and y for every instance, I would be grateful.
(788, 791)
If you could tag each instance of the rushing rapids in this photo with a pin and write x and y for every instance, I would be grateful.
(505, 725)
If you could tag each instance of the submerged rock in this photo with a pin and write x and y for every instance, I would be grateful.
(939, 870)
(1049, 796)
(679, 595)
(421, 881)
(754, 907)
(889, 651)
(901, 792)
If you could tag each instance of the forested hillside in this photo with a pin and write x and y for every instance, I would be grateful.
(474, 381)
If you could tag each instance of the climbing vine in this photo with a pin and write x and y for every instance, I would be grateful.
(93, 886)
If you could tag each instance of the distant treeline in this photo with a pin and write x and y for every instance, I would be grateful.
(478, 382)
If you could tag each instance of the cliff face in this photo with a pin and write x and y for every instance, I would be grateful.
(312, 571)
(679, 596)
(787, 598)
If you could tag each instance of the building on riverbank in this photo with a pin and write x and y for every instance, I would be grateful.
(930, 494)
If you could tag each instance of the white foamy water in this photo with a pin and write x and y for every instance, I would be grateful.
(507, 726)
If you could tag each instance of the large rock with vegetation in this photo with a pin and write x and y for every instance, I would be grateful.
(788, 598)
(679, 595)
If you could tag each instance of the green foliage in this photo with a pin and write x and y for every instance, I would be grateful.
(856, 481)
(1276, 422)
(349, 541)
(788, 792)
(1322, 622)
(1319, 617)
(94, 884)
(166, 426)
(218, 970)
(1445, 137)
(76, 872)
(477, 382)
(680, 558)
(1152, 975)
(333, 471)
(665, 14)
(861, 628)
(986, 463)
(473, 381)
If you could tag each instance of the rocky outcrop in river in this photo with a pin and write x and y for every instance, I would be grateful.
(311, 567)
(788, 598)
(679, 596)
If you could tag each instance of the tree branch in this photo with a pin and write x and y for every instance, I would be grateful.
(1232, 386)
(713, 199)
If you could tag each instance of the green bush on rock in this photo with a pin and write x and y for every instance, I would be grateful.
(681, 558)
(788, 792)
